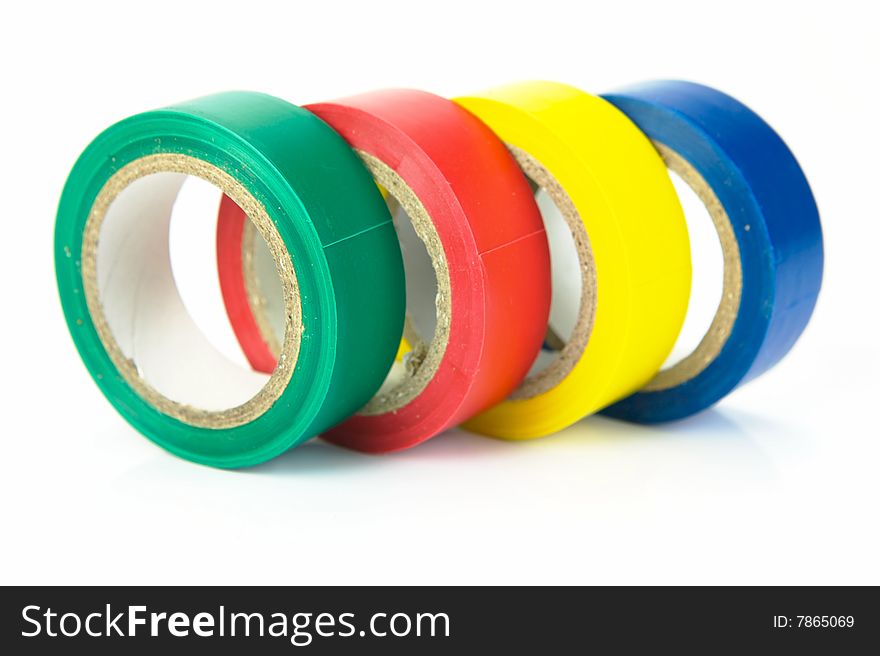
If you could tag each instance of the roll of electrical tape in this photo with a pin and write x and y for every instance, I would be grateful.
(627, 238)
(476, 261)
(768, 224)
(333, 246)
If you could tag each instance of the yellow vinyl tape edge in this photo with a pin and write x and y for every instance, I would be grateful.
(638, 236)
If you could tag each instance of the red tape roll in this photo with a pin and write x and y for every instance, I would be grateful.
(495, 258)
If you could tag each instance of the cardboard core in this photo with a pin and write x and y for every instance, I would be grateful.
(722, 324)
(574, 274)
(429, 294)
(137, 311)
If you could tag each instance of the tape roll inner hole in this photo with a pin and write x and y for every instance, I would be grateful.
(428, 293)
(573, 278)
(680, 368)
(137, 310)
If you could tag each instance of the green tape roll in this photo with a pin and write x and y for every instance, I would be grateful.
(334, 247)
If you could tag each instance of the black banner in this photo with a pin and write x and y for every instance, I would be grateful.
(109, 620)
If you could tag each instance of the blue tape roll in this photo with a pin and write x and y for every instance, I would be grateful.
(774, 220)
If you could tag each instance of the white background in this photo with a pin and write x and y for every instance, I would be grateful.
(779, 484)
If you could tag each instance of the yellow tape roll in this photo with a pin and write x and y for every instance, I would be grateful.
(617, 200)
